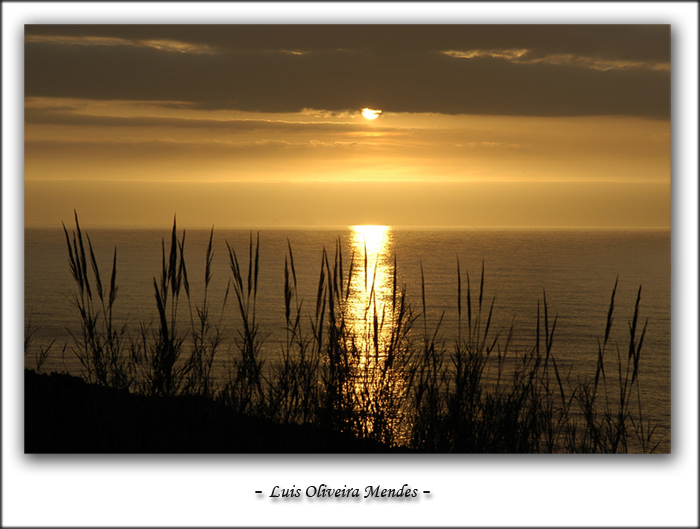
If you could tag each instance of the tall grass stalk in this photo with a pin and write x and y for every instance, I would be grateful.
(207, 334)
(162, 347)
(42, 353)
(244, 386)
(293, 386)
(612, 425)
(98, 345)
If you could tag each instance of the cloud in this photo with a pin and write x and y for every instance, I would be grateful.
(158, 44)
(496, 54)
(72, 116)
(522, 56)
(513, 70)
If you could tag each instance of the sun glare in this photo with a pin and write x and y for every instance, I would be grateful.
(370, 113)
(374, 237)
(371, 282)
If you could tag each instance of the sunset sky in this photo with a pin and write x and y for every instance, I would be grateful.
(256, 126)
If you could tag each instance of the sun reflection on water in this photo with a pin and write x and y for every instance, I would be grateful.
(373, 308)
(371, 282)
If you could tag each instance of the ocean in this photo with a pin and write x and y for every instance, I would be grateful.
(575, 269)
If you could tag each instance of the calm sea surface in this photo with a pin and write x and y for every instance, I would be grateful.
(576, 269)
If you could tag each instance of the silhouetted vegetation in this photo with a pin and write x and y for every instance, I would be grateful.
(387, 381)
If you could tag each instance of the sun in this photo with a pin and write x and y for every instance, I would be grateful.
(370, 113)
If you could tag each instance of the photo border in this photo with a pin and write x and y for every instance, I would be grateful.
(474, 490)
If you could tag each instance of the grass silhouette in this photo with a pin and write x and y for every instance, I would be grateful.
(389, 381)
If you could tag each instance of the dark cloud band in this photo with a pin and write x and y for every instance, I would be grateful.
(335, 68)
